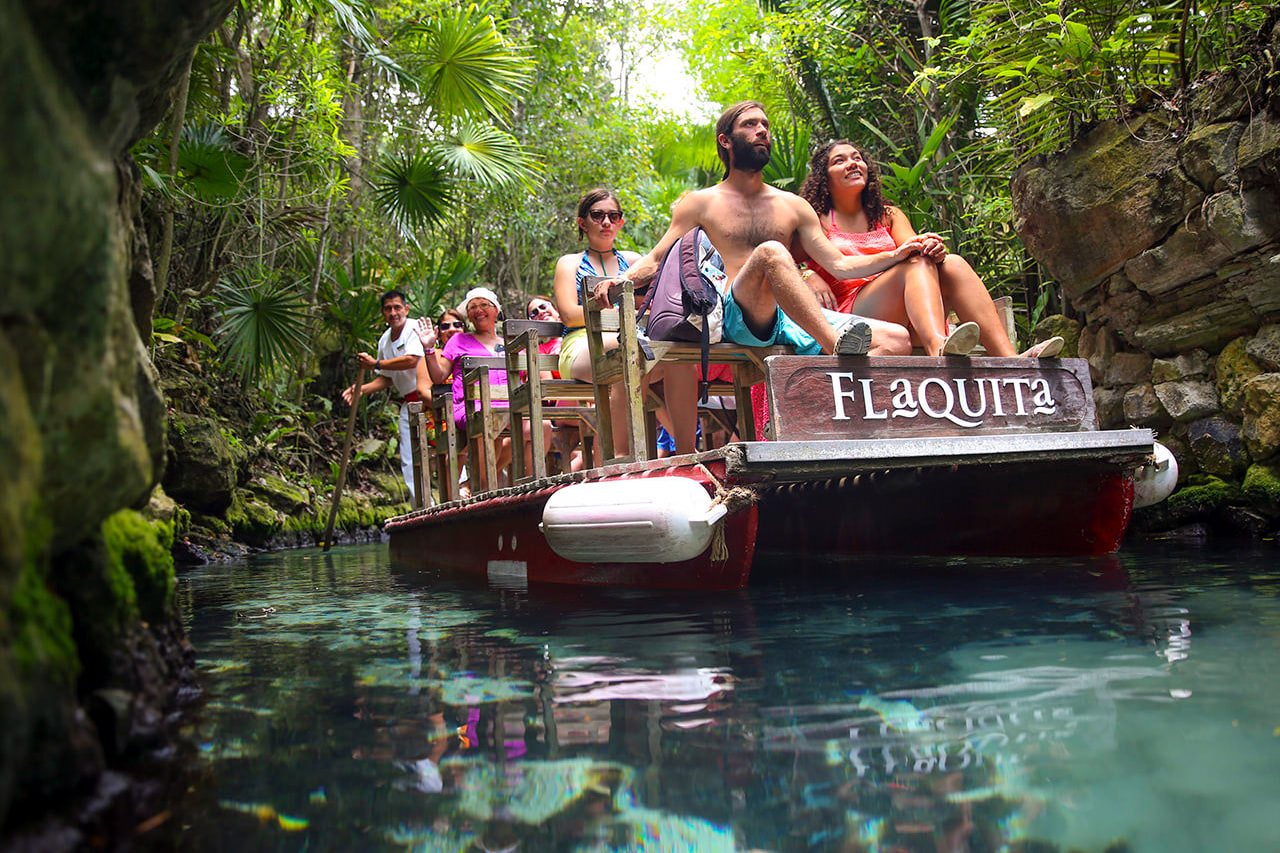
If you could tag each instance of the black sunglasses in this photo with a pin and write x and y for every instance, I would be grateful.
(452, 324)
(538, 308)
(602, 215)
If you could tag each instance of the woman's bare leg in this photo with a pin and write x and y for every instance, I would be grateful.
(964, 293)
(909, 294)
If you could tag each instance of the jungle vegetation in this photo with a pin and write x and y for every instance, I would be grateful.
(321, 151)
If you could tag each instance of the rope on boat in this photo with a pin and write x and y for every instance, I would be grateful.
(734, 498)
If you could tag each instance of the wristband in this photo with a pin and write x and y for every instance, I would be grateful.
(377, 365)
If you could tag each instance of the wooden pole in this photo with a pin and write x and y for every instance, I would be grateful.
(346, 457)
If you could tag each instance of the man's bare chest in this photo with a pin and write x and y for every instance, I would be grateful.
(746, 226)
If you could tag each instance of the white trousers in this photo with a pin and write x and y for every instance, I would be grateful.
(406, 450)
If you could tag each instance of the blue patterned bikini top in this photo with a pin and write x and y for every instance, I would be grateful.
(585, 268)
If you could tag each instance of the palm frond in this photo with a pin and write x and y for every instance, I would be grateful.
(264, 323)
(212, 169)
(486, 155)
(466, 66)
(412, 189)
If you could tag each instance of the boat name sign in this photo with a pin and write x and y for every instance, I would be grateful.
(820, 397)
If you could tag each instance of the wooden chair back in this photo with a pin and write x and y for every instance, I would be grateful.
(616, 365)
(533, 398)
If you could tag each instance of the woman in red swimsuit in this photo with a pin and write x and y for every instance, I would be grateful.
(843, 186)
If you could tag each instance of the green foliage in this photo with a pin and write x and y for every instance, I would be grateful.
(486, 155)
(213, 171)
(464, 63)
(790, 159)
(1047, 74)
(264, 323)
(429, 289)
(413, 190)
(351, 303)
(166, 330)
(908, 178)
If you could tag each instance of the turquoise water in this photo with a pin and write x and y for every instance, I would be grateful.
(880, 705)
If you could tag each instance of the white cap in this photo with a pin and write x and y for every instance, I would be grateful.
(479, 293)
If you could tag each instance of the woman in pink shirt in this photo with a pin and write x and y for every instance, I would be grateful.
(482, 310)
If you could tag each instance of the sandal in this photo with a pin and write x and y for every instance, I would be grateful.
(962, 340)
(854, 337)
(1046, 349)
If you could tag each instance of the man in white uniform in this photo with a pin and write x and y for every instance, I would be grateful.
(399, 351)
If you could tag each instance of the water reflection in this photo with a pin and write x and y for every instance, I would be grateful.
(906, 706)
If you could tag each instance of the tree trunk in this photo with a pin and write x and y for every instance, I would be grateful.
(175, 141)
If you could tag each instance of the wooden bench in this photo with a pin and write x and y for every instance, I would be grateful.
(746, 362)
(531, 398)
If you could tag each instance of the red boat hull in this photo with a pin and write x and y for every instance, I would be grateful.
(1027, 509)
(498, 538)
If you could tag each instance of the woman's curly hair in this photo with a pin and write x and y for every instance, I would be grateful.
(817, 189)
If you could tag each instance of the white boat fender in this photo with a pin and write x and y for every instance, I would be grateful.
(644, 520)
(1156, 480)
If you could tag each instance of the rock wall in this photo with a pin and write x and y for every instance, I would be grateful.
(91, 652)
(1163, 230)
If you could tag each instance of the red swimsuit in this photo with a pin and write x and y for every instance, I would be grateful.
(853, 243)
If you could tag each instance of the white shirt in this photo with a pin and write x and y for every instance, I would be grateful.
(406, 381)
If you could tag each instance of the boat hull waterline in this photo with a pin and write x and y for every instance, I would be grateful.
(1048, 495)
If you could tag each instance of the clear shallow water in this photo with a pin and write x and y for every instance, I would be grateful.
(891, 705)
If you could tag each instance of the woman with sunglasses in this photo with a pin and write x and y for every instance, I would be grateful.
(540, 308)
(600, 220)
(483, 312)
(450, 323)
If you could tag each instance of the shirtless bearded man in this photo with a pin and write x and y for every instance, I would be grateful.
(753, 226)
(767, 301)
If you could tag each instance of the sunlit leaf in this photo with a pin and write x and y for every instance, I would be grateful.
(1035, 102)
(466, 66)
(487, 155)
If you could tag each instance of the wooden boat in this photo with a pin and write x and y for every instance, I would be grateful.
(890, 455)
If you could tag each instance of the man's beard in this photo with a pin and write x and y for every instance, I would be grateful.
(747, 157)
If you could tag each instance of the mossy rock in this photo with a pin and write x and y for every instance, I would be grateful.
(143, 550)
(1234, 368)
(1058, 324)
(1202, 496)
(385, 511)
(202, 465)
(1262, 487)
(40, 625)
(212, 524)
(390, 486)
(355, 510)
(161, 507)
(253, 521)
(280, 494)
